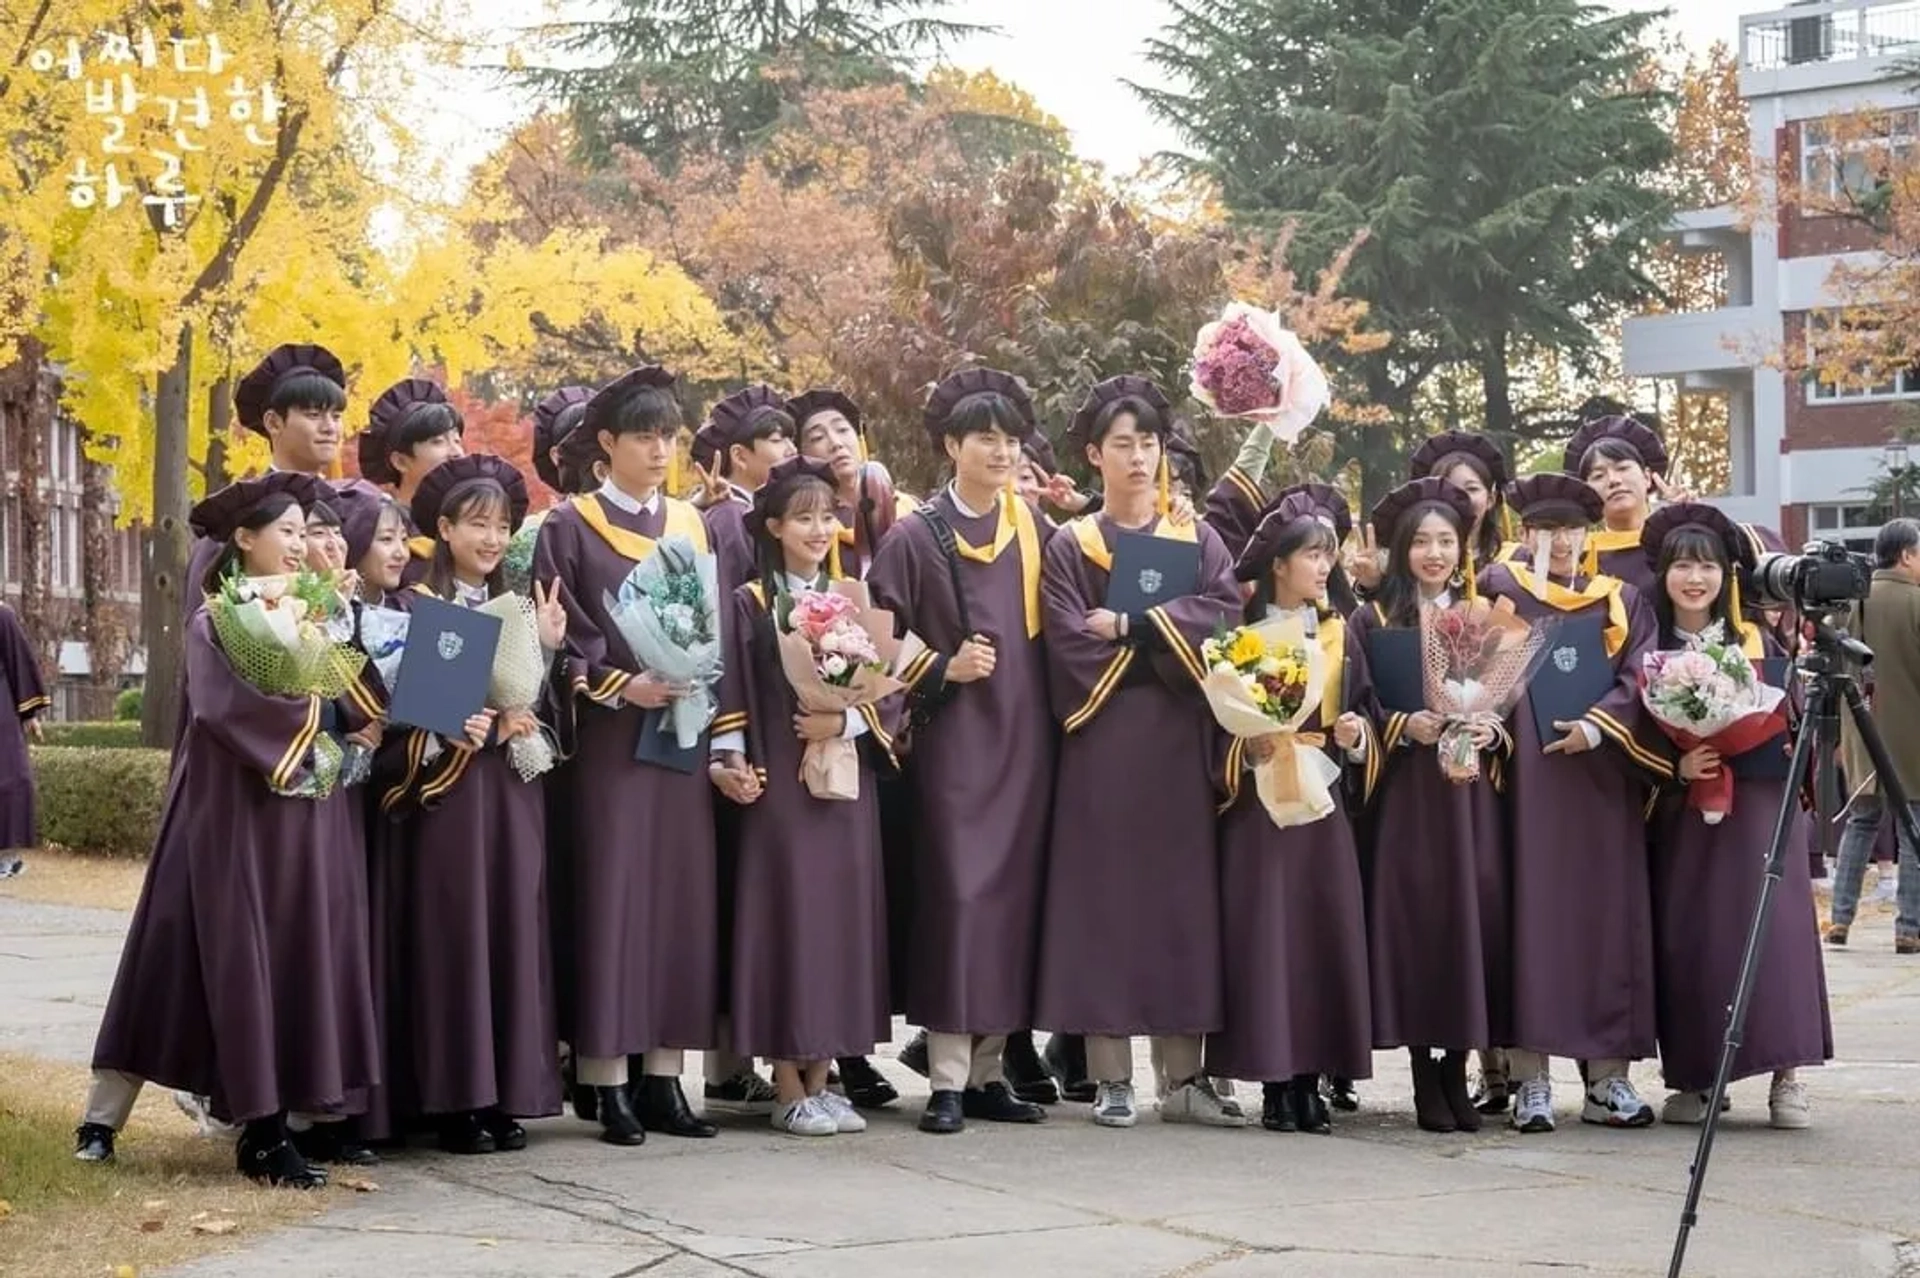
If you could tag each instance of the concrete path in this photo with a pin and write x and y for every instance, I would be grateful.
(1378, 1200)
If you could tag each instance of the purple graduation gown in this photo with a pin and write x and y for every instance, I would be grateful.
(1130, 942)
(732, 546)
(1583, 912)
(1294, 925)
(979, 780)
(244, 974)
(1438, 928)
(733, 567)
(645, 909)
(1706, 883)
(809, 962)
(1233, 509)
(22, 696)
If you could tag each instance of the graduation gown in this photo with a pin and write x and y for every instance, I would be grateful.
(734, 566)
(1130, 942)
(22, 696)
(1583, 912)
(1294, 926)
(1706, 884)
(809, 962)
(1439, 931)
(727, 534)
(1233, 509)
(979, 778)
(244, 974)
(644, 914)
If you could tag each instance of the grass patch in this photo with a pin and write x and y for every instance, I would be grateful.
(55, 876)
(151, 1208)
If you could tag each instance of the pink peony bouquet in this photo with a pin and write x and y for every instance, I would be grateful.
(830, 623)
(1246, 365)
(1710, 695)
(839, 654)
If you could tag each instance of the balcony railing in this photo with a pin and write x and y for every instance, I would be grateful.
(1829, 31)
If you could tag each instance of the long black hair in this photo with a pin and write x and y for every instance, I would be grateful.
(819, 495)
(1703, 545)
(479, 496)
(267, 512)
(1399, 593)
(1305, 534)
(1490, 539)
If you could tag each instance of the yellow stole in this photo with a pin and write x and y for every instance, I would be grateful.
(1086, 531)
(682, 520)
(422, 547)
(903, 506)
(1333, 646)
(1559, 597)
(1016, 524)
(1605, 541)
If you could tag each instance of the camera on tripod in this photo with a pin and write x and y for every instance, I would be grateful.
(1822, 578)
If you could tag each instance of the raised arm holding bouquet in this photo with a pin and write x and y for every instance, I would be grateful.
(1247, 365)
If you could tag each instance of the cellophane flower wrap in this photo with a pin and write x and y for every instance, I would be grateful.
(1478, 656)
(668, 612)
(279, 636)
(516, 566)
(1247, 364)
(839, 653)
(1709, 694)
(519, 677)
(1265, 683)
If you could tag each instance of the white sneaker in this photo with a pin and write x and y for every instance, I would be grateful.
(1685, 1108)
(1533, 1107)
(198, 1108)
(1197, 1102)
(1113, 1105)
(805, 1117)
(846, 1118)
(1886, 889)
(1787, 1107)
(1223, 1088)
(1612, 1102)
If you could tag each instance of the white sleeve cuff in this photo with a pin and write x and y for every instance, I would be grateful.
(1592, 735)
(1359, 753)
(734, 742)
(1256, 452)
(856, 726)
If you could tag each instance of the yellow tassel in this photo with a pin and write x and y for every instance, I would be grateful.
(1473, 587)
(860, 445)
(1590, 559)
(1166, 487)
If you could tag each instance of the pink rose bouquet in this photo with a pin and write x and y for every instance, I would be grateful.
(1710, 695)
(1246, 365)
(839, 654)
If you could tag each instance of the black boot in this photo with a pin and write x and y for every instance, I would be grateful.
(914, 1055)
(585, 1100)
(508, 1135)
(463, 1134)
(945, 1114)
(1430, 1108)
(93, 1143)
(863, 1085)
(1309, 1107)
(1065, 1057)
(663, 1108)
(1495, 1094)
(1340, 1092)
(264, 1154)
(996, 1103)
(333, 1143)
(618, 1126)
(1024, 1073)
(1277, 1112)
(1453, 1085)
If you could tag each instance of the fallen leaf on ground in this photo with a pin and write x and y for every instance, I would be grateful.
(486, 1242)
(125, 1271)
(357, 1184)
(215, 1227)
(152, 1225)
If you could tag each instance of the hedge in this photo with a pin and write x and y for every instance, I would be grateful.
(115, 736)
(100, 801)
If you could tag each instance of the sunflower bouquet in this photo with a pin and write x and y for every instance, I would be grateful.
(1265, 682)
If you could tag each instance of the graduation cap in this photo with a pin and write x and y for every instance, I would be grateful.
(604, 404)
(1631, 431)
(1437, 448)
(384, 420)
(358, 504)
(1396, 505)
(547, 433)
(824, 399)
(781, 481)
(449, 476)
(219, 514)
(1318, 502)
(1039, 450)
(1668, 520)
(1125, 386)
(1551, 498)
(1182, 444)
(255, 391)
(956, 389)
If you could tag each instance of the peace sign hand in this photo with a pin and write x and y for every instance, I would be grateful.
(1364, 564)
(713, 487)
(1667, 492)
(550, 615)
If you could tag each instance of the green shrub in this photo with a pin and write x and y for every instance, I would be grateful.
(113, 736)
(103, 802)
(127, 705)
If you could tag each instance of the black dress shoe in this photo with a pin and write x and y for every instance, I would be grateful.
(584, 1100)
(277, 1164)
(1453, 1084)
(464, 1134)
(508, 1135)
(1024, 1073)
(862, 1084)
(1310, 1113)
(618, 1126)
(945, 1114)
(996, 1103)
(93, 1143)
(331, 1143)
(663, 1108)
(1340, 1093)
(1430, 1108)
(914, 1055)
(1277, 1111)
(1065, 1057)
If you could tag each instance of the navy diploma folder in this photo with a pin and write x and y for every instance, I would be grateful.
(1576, 673)
(1397, 662)
(660, 747)
(445, 667)
(1149, 571)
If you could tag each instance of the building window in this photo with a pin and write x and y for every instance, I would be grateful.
(1851, 523)
(1849, 159)
(1869, 381)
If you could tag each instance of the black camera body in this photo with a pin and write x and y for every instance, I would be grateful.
(1822, 578)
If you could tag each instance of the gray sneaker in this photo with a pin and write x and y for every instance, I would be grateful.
(1113, 1105)
(1533, 1107)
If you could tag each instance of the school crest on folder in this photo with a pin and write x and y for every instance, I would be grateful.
(1150, 581)
(451, 645)
(1566, 660)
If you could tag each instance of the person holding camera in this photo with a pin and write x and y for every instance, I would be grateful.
(1888, 621)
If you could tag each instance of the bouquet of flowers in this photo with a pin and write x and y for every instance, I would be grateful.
(516, 567)
(519, 676)
(1264, 682)
(277, 633)
(1478, 657)
(1709, 695)
(839, 653)
(668, 612)
(1245, 364)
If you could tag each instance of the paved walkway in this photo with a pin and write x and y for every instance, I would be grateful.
(1379, 1199)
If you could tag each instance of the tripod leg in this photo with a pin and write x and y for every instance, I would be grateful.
(1821, 698)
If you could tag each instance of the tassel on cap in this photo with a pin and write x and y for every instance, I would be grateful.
(1473, 586)
(1166, 486)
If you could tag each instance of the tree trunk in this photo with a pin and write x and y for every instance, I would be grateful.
(27, 400)
(101, 621)
(219, 424)
(1496, 380)
(168, 541)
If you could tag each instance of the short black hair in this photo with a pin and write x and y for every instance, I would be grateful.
(425, 421)
(1897, 537)
(642, 410)
(310, 391)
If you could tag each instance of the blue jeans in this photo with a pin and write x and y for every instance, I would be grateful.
(1856, 849)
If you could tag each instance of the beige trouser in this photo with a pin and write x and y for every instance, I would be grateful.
(723, 1062)
(1523, 1065)
(111, 1096)
(611, 1071)
(956, 1062)
(1110, 1060)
